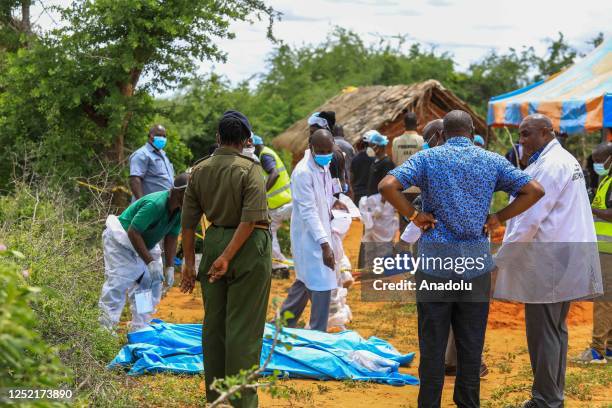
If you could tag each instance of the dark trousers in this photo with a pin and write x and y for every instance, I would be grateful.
(296, 302)
(469, 322)
(547, 343)
(235, 308)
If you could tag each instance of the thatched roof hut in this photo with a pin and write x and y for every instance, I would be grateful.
(381, 108)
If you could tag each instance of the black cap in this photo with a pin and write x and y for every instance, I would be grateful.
(239, 116)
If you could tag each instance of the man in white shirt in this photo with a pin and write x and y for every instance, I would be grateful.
(549, 257)
(313, 257)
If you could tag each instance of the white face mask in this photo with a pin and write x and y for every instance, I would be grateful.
(248, 151)
(370, 152)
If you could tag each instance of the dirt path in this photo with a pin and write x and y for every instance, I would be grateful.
(505, 353)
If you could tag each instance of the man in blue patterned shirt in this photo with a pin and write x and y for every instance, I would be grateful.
(457, 182)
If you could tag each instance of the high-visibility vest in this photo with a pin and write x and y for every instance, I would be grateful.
(603, 228)
(280, 193)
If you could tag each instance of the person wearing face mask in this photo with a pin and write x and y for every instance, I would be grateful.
(249, 147)
(150, 169)
(278, 191)
(311, 236)
(229, 189)
(378, 216)
(600, 350)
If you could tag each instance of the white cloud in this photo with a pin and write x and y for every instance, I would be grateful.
(467, 29)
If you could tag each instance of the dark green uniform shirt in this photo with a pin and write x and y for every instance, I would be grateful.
(150, 217)
(228, 188)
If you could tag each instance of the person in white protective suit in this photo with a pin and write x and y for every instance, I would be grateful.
(132, 255)
(339, 311)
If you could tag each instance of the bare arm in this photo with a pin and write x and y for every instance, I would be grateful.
(272, 177)
(219, 267)
(391, 190)
(135, 183)
(170, 249)
(139, 245)
(188, 272)
(605, 215)
(526, 197)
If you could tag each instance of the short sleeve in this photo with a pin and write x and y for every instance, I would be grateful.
(268, 163)
(176, 229)
(410, 173)
(509, 178)
(145, 217)
(138, 164)
(254, 204)
(192, 212)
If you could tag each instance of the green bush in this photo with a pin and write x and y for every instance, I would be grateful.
(62, 250)
(25, 359)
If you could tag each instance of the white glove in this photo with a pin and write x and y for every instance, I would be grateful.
(155, 270)
(170, 276)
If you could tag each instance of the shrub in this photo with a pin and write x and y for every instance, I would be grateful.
(26, 361)
(62, 250)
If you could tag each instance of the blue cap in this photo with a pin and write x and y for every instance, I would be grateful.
(257, 140)
(378, 139)
(479, 140)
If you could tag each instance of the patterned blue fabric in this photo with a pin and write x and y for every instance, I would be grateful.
(457, 182)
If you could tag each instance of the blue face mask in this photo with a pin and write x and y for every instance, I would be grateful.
(159, 142)
(600, 169)
(323, 159)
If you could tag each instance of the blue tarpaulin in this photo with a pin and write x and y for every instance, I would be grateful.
(177, 348)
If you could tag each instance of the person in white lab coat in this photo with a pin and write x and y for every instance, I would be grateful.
(549, 257)
(311, 242)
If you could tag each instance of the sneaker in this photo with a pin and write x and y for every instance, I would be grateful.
(590, 356)
(608, 353)
(529, 404)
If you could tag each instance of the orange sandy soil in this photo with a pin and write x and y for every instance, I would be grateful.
(509, 378)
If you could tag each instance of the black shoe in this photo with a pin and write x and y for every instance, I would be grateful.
(484, 370)
(280, 273)
(529, 404)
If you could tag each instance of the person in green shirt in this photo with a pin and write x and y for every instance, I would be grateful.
(132, 255)
(229, 188)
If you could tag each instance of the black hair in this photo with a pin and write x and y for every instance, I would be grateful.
(232, 131)
(330, 117)
(211, 149)
(410, 121)
(458, 123)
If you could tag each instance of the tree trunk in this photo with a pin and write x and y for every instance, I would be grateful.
(26, 26)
